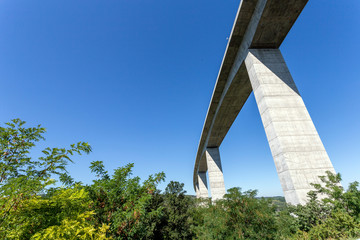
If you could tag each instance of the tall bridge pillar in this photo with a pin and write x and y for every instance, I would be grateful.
(216, 177)
(298, 152)
(201, 187)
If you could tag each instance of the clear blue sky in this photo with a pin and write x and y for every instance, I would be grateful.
(134, 79)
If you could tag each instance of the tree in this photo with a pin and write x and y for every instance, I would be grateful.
(175, 220)
(238, 216)
(28, 208)
(177, 208)
(65, 214)
(331, 213)
(123, 202)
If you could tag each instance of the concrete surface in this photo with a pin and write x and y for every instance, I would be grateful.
(216, 178)
(298, 152)
(294, 142)
(202, 189)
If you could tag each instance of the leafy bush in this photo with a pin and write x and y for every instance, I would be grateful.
(238, 216)
(175, 220)
(331, 213)
(123, 202)
(122, 207)
(63, 215)
(24, 180)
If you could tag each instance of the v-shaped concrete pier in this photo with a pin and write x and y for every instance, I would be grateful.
(253, 62)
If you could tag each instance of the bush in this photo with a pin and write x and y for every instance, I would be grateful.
(238, 216)
(331, 213)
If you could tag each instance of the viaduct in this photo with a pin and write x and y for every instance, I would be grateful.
(253, 62)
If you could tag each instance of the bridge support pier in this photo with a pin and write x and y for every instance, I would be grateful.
(298, 152)
(201, 187)
(216, 178)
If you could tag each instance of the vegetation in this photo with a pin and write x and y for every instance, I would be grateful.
(120, 206)
(238, 216)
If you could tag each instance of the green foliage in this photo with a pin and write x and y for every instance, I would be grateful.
(76, 228)
(210, 221)
(278, 202)
(286, 225)
(15, 162)
(123, 202)
(331, 213)
(307, 216)
(177, 207)
(62, 214)
(340, 225)
(122, 207)
(24, 180)
(238, 216)
(175, 220)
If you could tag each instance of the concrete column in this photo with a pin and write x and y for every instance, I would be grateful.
(298, 152)
(202, 189)
(216, 178)
(197, 190)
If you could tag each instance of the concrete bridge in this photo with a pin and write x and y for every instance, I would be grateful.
(253, 62)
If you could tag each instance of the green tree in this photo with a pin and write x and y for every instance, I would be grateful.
(123, 202)
(331, 212)
(238, 216)
(26, 205)
(175, 220)
(177, 209)
(65, 214)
